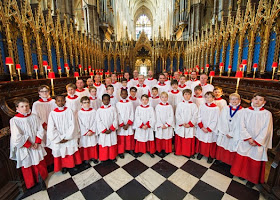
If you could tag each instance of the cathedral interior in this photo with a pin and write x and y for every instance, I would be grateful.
(91, 37)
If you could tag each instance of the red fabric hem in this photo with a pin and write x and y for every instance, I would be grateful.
(38, 140)
(108, 153)
(88, 153)
(30, 174)
(125, 143)
(184, 146)
(49, 157)
(206, 149)
(27, 144)
(249, 169)
(225, 155)
(68, 162)
(144, 147)
(162, 144)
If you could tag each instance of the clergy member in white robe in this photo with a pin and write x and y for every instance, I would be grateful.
(125, 118)
(206, 132)
(107, 124)
(25, 144)
(142, 88)
(229, 130)
(144, 128)
(162, 86)
(88, 145)
(150, 81)
(63, 134)
(256, 137)
(81, 91)
(101, 89)
(186, 121)
(164, 126)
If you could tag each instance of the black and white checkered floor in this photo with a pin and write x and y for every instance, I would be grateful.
(171, 177)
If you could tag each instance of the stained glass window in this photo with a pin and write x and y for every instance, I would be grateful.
(143, 24)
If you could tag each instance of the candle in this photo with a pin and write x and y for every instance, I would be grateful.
(76, 75)
(36, 70)
(207, 68)
(274, 67)
(80, 67)
(221, 68)
(51, 76)
(45, 65)
(229, 70)
(66, 67)
(59, 71)
(238, 75)
(255, 66)
(244, 63)
(18, 68)
(89, 69)
(212, 74)
(9, 62)
(91, 75)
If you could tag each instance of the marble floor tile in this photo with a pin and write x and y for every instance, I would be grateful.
(204, 191)
(178, 161)
(147, 160)
(202, 162)
(55, 178)
(133, 191)
(113, 196)
(194, 169)
(168, 190)
(164, 168)
(99, 190)
(128, 158)
(151, 197)
(135, 167)
(118, 178)
(228, 197)
(86, 178)
(42, 195)
(76, 196)
(183, 180)
(216, 179)
(150, 179)
(190, 197)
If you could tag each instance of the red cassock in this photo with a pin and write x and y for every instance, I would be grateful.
(249, 162)
(144, 115)
(106, 118)
(208, 118)
(125, 116)
(27, 130)
(63, 125)
(186, 113)
(164, 116)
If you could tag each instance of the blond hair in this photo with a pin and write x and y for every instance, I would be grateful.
(164, 93)
(234, 95)
(71, 85)
(91, 88)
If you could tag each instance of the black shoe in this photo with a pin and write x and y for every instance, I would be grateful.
(115, 160)
(94, 161)
(75, 169)
(188, 157)
(42, 182)
(152, 155)
(64, 170)
(192, 157)
(121, 156)
(132, 153)
(250, 184)
(209, 160)
(242, 179)
(161, 154)
(139, 154)
(199, 156)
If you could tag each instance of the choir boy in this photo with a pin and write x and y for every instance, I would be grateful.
(186, 120)
(175, 95)
(72, 100)
(162, 85)
(144, 128)
(133, 98)
(255, 138)
(110, 91)
(182, 84)
(142, 88)
(206, 133)
(154, 99)
(107, 124)
(95, 102)
(115, 82)
(25, 145)
(197, 97)
(219, 101)
(229, 130)
(134, 81)
(81, 91)
(125, 132)
(42, 109)
(99, 86)
(88, 142)
(129, 83)
(164, 125)
(63, 135)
